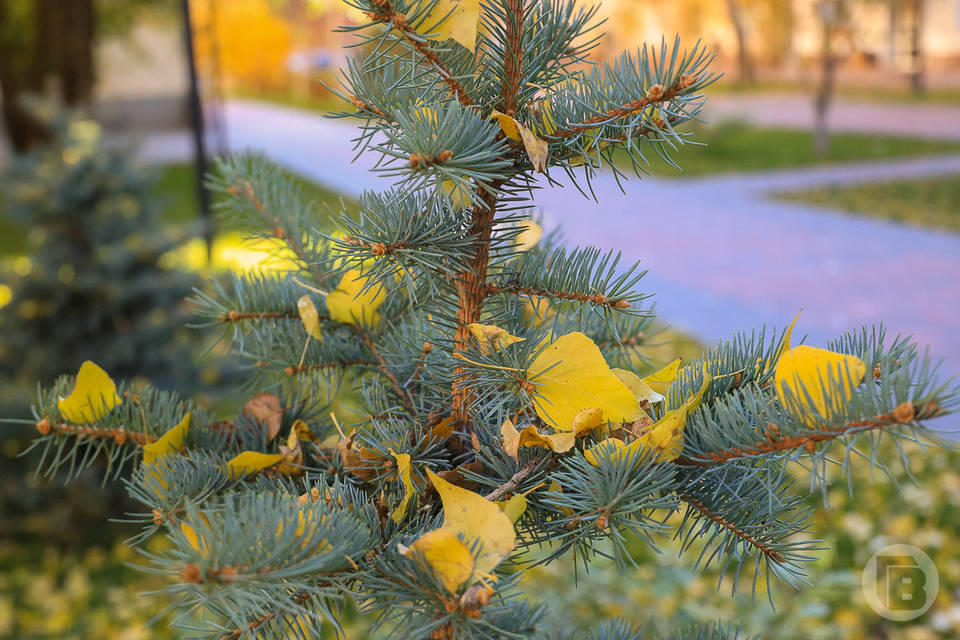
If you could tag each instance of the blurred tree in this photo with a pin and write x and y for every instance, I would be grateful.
(49, 46)
(93, 284)
(834, 18)
(744, 63)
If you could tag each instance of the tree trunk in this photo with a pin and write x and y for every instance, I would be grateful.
(917, 75)
(824, 92)
(55, 42)
(744, 63)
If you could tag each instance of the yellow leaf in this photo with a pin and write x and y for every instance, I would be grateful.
(444, 428)
(409, 490)
(475, 518)
(537, 311)
(666, 434)
(809, 371)
(459, 195)
(604, 449)
(250, 462)
(191, 535)
(490, 337)
(443, 552)
(537, 148)
(529, 237)
(456, 19)
(638, 387)
(170, 442)
(571, 375)
(94, 394)
(661, 380)
(514, 507)
(310, 317)
(267, 410)
(509, 126)
(511, 439)
(347, 304)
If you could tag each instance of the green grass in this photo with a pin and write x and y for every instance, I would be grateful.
(933, 96)
(932, 202)
(736, 147)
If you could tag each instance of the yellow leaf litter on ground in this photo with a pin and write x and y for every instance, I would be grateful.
(93, 395)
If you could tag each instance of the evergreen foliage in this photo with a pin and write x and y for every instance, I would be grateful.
(439, 311)
(94, 287)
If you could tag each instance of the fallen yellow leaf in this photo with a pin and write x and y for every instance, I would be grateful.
(249, 462)
(571, 375)
(490, 337)
(666, 434)
(170, 442)
(443, 552)
(476, 519)
(453, 19)
(409, 490)
(310, 317)
(828, 378)
(639, 387)
(661, 380)
(529, 237)
(93, 395)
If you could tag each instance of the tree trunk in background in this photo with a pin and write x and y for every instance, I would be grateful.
(917, 75)
(829, 12)
(744, 64)
(48, 46)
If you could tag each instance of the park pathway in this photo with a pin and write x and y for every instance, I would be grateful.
(722, 255)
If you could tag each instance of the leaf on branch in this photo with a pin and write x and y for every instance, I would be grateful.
(537, 148)
(265, 409)
(572, 375)
(170, 442)
(292, 452)
(490, 337)
(93, 396)
(353, 460)
(639, 387)
(443, 552)
(515, 507)
(661, 380)
(349, 303)
(475, 519)
(585, 421)
(458, 194)
(813, 380)
(452, 19)
(310, 317)
(409, 490)
(664, 437)
(243, 464)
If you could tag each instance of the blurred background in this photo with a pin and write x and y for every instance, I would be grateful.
(828, 179)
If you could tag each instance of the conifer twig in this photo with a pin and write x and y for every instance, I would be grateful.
(767, 551)
(596, 299)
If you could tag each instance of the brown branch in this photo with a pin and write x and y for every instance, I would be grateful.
(513, 63)
(298, 599)
(514, 480)
(398, 21)
(596, 298)
(903, 413)
(394, 383)
(363, 106)
(770, 553)
(246, 189)
(376, 248)
(235, 316)
(471, 292)
(655, 95)
(84, 431)
(294, 370)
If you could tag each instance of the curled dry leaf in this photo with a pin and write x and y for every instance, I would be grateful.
(267, 411)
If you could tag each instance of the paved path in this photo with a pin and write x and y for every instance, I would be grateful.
(722, 255)
(796, 111)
